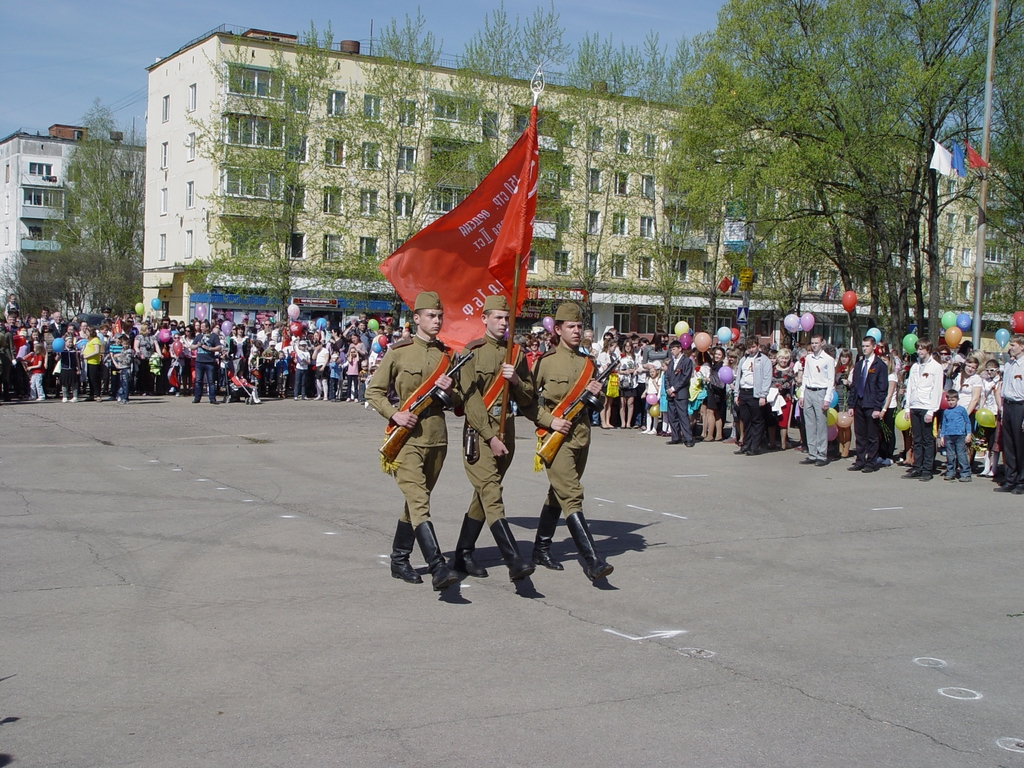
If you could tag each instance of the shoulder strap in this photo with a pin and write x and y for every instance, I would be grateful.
(577, 389)
(494, 391)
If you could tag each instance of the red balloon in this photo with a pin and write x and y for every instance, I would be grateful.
(1017, 322)
(296, 328)
(944, 404)
(177, 348)
(735, 334)
(849, 301)
(382, 340)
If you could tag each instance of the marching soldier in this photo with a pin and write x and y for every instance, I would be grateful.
(413, 367)
(491, 450)
(559, 376)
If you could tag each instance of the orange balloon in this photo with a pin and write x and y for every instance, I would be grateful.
(849, 301)
(953, 337)
(702, 341)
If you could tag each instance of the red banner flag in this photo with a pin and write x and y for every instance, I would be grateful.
(974, 160)
(472, 252)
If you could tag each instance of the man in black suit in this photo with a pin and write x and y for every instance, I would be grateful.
(868, 393)
(677, 384)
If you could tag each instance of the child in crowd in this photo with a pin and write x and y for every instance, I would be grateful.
(954, 435)
(281, 373)
(123, 366)
(652, 392)
(35, 366)
(990, 390)
(352, 365)
(334, 382)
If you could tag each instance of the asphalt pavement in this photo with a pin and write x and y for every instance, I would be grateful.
(190, 585)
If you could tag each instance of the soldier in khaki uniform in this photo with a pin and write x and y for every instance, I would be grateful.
(406, 366)
(554, 375)
(479, 382)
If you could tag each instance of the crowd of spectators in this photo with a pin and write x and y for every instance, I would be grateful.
(758, 397)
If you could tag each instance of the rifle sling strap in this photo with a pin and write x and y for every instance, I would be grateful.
(423, 388)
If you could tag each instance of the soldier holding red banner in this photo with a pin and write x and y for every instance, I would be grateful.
(560, 377)
(484, 385)
(413, 367)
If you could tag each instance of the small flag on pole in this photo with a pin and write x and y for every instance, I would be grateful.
(958, 162)
(974, 160)
(942, 160)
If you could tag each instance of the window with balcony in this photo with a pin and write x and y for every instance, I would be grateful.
(261, 186)
(250, 131)
(446, 199)
(43, 198)
(251, 81)
(40, 169)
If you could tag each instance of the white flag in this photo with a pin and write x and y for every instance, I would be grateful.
(942, 160)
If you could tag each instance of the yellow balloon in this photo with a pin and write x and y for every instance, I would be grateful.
(902, 421)
(832, 416)
(682, 327)
(985, 418)
(655, 411)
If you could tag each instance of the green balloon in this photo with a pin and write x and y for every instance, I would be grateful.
(373, 325)
(140, 308)
(948, 319)
(910, 343)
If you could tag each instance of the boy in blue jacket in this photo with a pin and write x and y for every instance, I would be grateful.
(954, 434)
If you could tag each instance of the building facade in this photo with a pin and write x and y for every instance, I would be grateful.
(33, 194)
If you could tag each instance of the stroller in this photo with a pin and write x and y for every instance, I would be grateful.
(243, 387)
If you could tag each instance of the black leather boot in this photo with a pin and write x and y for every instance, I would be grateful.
(400, 551)
(517, 567)
(463, 558)
(545, 532)
(442, 578)
(596, 567)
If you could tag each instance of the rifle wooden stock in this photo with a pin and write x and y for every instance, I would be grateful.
(396, 438)
(549, 445)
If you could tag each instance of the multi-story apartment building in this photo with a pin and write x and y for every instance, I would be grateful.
(386, 148)
(33, 193)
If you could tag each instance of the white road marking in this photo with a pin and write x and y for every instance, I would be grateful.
(642, 509)
(223, 489)
(704, 475)
(606, 501)
(154, 461)
(176, 469)
(330, 533)
(202, 480)
(885, 509)
(288, 517)
(659, 634)
(1011, 744)
(669, 514)
(929, 661)
(963, 694)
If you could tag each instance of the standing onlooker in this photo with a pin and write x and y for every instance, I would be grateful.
(628, 384)
(122, 364)
(92, 354)
(677, 381)
(755, 381)
(844, 375)
(991, 400)
(954, 435)
(1012, 434)
(302, 359)
(924, 395)
(207, 346)
(608, 355)
(652, 395)
(868, 394)
(715, 402)
(352, 365)
(35, 366)
(818, 378)
(783, 377)
(70, 362)
(887, 424)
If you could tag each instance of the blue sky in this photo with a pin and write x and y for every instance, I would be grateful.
(58, 58)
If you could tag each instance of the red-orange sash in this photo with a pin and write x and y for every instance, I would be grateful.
(494, 391)
(577, 389)
(423, 388)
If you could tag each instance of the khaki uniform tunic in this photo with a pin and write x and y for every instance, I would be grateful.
(554, 374)
(406, 365)
(488, 472)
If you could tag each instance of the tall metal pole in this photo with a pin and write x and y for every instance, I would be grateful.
(979, 257)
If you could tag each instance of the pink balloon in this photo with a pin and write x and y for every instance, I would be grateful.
(833, 432)
(652, 399)
(807, 321)
(164, 335)
(201, 312)
(725, 374)
(293, 311)
(548, 323)
(686, 340)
